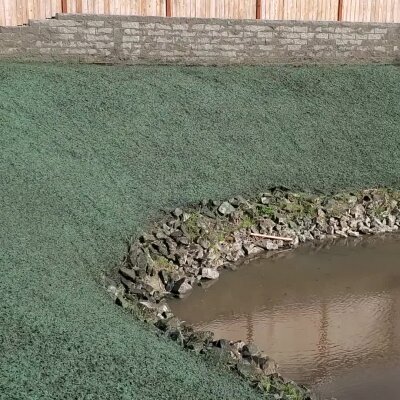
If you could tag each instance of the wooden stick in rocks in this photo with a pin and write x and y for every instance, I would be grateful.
(259, 235)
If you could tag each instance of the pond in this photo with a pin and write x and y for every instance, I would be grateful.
(329, 315)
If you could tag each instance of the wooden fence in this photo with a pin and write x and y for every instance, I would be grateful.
(18, 12)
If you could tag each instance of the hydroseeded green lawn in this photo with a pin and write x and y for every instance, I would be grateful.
(89, 153)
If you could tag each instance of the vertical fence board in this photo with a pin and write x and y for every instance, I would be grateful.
(19, 12)
(132, 8)
(375, 11)
(6, 6)
(236, 9)
(85, 7)
(362, 9)
(47, 4)
(106, 7)
(161, 8)
(371, 11)
(396, 16)
(389, 11)
(378, 14)
(2, 13)
(323, 10)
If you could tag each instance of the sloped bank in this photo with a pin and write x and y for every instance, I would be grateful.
(192, 245)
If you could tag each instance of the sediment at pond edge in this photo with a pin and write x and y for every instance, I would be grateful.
(190, 246)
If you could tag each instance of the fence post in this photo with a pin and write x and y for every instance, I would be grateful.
(64, 6)
(168, 6)
(258, 9)
(340, 10)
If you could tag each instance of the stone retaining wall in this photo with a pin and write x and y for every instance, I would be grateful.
(155, 40)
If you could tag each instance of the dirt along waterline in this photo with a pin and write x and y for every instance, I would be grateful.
(329, 315)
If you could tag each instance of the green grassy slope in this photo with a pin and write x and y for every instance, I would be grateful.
(89, 153)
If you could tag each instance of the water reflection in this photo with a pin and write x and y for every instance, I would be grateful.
(330, 315)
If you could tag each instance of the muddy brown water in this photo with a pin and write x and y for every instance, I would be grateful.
(329, 315)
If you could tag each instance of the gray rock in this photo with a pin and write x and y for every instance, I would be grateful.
(209, 273)
(161, 310)
(197, 340)
(308, 235)
(164, 276)
(196, 251)
(204, 243)
(336, 208)
(190, 261)
(147, 237)
(248, 370)
(140, 293)
(268, 244)
(364, 229)
(195, 345)
(295, 242)
(182, 256)
(134, 252)
(221, 356)
(391, 220)
(160, 234)
(128, 273)
(171, 245)
(176, 234)
(177, 212)
(235, 255)
(353, 224)
(250, 350)
(340, 233)
(148, 304)
(141, 273)
(166, 229)
(223, 344)
(377, 223)
(161, 248)
(267, 365)
(238, 345)
(330, 230)
(358, 211)
(352, 200)
(141, 262)
(182, 286)
(154, 284)
(251, 249)
(129, 285)
(121, 301)
(170, 324)
(183, 240)
(343, 222)
(164, 311)
(185, 216)
(265, 200)
(226, 208)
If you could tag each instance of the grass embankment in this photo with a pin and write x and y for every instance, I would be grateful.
(89, 153)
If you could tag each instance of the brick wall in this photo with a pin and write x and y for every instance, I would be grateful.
(149, 40)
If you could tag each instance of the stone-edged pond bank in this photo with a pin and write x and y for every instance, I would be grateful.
(192, 245)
